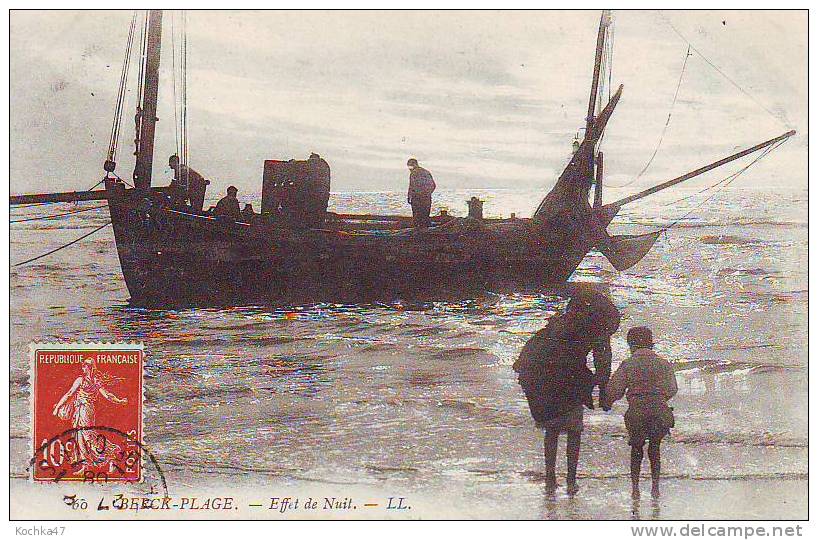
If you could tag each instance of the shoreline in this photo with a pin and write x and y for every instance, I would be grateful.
(598, 499)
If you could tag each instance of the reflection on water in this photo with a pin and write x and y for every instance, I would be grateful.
(654, 506)
(424, 394)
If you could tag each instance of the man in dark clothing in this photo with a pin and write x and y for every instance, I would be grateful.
(421, 187)
(555, 377)
(189, 183)
(318, 191)
(228, 206)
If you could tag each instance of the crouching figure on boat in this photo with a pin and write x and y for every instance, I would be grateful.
(228, 206)
(554, 375)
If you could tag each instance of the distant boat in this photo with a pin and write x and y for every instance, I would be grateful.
(172, 254)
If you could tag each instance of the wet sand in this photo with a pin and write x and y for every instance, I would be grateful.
(683, 499)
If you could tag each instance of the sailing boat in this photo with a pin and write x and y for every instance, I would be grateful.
(173, 253)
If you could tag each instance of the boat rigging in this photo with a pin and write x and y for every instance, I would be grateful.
(172, 252)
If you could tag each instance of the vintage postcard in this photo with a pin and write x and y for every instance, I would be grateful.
(369, 265)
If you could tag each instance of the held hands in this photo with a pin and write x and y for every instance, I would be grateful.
(603, 400)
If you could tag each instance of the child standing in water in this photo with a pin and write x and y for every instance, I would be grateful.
(649, 382)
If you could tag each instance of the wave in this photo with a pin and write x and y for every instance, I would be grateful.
(378, 347)
(726, 239)
(198, 393)
(216, 467)
(752, 438)
(249, 341)
(233, 328)
(536, 476)
(391, 469)
(460, 353)
(423, 331)
(713, 366)
(745, 346)
(539, 476)
(748, 272)
(727, 223)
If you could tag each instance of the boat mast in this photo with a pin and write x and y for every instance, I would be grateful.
(579, 174)
(146, 113)
(604, 22)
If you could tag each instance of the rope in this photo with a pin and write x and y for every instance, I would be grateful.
(609, 49)
(184, 157)
(606, 72)
(723, 183)
(143, 48)
(690, 48)
(62, 246)
(664, 129)
(723, 74)
(175, 84)
(98, 183)
(120, 179)
(729, 177)
(179, 58)
(54, 216)
(120, 100)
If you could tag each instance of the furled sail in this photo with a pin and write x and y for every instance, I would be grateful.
(570, 193)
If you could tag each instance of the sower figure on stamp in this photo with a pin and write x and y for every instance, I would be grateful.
(79, 406)
(650, 382)
(552, 370)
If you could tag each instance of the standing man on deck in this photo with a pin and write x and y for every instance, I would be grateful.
(421, 187)
(189, 183)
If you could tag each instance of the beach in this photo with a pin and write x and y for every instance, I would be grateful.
(419, 400)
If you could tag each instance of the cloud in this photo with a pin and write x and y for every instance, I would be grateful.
(485, 99)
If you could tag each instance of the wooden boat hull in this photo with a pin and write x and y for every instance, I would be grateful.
(171, 257)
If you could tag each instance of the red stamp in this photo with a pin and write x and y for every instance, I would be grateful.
(87, 412)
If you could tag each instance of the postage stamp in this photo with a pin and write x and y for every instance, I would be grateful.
(86, 410)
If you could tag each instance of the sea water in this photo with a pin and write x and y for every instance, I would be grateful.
(389, 398)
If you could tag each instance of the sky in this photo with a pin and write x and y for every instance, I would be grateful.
(483, 99)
